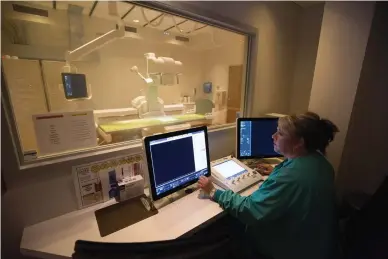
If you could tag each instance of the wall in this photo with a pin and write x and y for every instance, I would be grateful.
(277, 24)
(343, 39)
(363, 161)
(229, 51)
(306, 55)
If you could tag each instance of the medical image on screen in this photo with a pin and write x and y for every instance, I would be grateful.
(178, 160)
(74, 86)
(167, 165)
(256, 138)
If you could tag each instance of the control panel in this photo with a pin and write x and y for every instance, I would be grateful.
(231, 174)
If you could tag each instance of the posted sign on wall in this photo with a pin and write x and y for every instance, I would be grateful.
(94, 182)
(59, 132)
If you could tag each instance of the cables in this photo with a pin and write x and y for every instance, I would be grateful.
(180, 30)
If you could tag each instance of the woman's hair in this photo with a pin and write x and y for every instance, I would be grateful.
(316, 132)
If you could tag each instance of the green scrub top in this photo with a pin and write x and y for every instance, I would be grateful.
(292, 214)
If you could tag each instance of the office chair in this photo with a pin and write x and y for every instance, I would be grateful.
(187, 248)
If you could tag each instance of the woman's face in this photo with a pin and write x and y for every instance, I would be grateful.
(284, 143)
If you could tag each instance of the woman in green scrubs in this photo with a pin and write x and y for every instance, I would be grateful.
(292, 214)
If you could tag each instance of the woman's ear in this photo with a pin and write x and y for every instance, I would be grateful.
(300, 144)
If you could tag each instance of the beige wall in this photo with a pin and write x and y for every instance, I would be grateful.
(277, 24)
(306, 55)
(343, 39)
(363, 164)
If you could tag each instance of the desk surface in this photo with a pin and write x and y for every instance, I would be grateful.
(55, 238)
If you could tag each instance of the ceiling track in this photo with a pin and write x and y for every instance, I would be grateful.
(93, 7)
(157, 17)
(128, 12)
(169, 28)
(197, 29)
(54, 6)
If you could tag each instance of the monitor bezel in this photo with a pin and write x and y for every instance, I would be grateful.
(239, 120)
(146, 146)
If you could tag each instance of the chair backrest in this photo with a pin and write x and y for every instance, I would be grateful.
(366, 231)
(188, 248)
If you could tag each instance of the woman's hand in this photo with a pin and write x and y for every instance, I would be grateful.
(205, 184)
(265, 169)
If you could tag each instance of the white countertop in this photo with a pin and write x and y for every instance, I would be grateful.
(55, 238)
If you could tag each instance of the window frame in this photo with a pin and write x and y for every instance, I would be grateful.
(182, 9)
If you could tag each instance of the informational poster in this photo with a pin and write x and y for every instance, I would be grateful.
(59, 132)
(95, 182)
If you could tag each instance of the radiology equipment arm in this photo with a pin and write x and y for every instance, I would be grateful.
(95, 44)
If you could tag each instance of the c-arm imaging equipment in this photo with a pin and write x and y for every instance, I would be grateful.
(151, 105)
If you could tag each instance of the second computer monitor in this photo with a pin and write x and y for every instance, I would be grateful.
(176, 160)
(254, 137)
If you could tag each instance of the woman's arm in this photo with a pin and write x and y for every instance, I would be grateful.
(268, 202)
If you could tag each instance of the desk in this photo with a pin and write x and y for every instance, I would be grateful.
(55, 238)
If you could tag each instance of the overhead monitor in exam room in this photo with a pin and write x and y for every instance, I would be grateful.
(74, 86)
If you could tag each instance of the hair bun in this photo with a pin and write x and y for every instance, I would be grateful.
(328, 129)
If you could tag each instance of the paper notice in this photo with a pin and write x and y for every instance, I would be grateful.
(95, 182)
(59, 132)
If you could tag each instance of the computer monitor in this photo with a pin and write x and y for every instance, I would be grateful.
(254, 137)
(176, 160)
(74, 86)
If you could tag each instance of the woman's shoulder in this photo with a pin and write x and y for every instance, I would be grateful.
(311, 161)
(311, 166)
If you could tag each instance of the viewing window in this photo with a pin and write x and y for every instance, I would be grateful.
(79, 75)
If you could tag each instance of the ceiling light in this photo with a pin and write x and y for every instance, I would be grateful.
(166, 33)
(136, 21)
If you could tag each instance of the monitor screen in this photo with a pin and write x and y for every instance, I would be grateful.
(229, 169)
(254, 137)
(176, 160)
(74, 86)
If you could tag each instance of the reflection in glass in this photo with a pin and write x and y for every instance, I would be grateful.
(145, 71)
